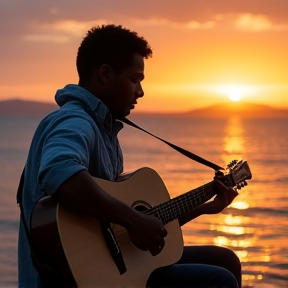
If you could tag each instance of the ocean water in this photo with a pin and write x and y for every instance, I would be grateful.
(255, 226)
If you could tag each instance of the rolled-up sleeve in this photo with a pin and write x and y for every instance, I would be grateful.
(66, 151)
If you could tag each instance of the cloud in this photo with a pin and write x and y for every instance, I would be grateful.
(257, 23)
(197, 25)
(193, 25)
(62, 31)
(73, 27)
(45, 38)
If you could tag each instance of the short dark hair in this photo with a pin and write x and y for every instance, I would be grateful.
(110, 44)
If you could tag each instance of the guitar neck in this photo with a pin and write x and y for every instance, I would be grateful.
(174, 208)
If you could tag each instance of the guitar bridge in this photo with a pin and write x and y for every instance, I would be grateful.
(113, 246)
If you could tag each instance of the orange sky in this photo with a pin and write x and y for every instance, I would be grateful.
(203, 50)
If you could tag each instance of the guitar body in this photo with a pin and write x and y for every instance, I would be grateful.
(84, 247)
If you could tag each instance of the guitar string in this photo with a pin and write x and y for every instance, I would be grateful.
(165, 211)
(187, 200)
(184, 202)
(181, 203)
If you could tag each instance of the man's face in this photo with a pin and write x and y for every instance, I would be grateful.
(125, 88)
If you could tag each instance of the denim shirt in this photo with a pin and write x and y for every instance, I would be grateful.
(80, 135)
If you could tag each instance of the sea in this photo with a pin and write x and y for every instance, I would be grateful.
(254, 226)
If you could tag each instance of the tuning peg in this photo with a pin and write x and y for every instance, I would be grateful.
(241, 184)
(232, 163)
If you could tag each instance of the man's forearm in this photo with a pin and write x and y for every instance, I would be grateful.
(82, 194)
(196, 212)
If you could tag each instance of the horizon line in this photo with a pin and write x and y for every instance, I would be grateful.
(139, 111)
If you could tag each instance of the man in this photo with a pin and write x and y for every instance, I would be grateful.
(79, 140)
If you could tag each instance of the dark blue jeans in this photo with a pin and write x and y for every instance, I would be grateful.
(200, 267)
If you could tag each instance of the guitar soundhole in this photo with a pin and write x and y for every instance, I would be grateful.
(141, 206)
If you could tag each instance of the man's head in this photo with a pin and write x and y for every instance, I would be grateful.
(110, 64)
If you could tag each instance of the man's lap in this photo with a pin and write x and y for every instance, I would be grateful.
(200, 266)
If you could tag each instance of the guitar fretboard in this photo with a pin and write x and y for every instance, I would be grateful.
(174, 208)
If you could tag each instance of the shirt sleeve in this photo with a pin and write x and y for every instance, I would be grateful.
(66, 151)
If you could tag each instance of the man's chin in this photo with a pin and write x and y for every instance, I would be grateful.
(126, 114)
(122, 115)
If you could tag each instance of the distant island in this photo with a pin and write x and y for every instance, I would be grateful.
(18, 107)
(239, 109)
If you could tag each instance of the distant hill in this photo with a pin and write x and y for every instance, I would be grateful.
(245, 110)
(31, 108)
(26, 108)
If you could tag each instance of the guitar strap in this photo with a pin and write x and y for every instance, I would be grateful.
(177, 148)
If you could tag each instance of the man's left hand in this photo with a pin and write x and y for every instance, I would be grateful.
(225, 196)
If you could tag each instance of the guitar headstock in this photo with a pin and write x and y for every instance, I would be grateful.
(237, 172)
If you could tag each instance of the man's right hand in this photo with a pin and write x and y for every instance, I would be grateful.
(147, 233)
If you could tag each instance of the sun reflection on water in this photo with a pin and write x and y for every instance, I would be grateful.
(246, 277)
(233, 220)
(241, 205)
(225, 241)
(233, 141)
(229, 229)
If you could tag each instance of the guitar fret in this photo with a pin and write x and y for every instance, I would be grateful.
(166, 212)
(172, 209)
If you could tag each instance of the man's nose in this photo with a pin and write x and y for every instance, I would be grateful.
(140, 91)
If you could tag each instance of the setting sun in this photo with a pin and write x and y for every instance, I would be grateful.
(234, 95)
(236, 92)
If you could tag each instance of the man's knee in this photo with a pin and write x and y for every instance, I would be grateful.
(230, 257)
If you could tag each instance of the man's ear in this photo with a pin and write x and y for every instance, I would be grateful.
(105, 72)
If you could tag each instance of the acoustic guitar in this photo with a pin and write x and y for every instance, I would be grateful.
(75, 245)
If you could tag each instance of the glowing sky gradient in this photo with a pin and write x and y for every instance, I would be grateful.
(201, 48)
